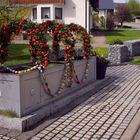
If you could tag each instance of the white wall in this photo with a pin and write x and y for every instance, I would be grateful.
(39, 20)
(91, 18)
(104, 14)
(101, 13)
(74, 11)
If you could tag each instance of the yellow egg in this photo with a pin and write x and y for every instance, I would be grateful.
(19, 72)
(56, 94)
(63, 84)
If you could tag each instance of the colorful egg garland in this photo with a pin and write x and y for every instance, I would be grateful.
(39, 48)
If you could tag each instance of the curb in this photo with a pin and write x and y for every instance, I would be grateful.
(132, 129)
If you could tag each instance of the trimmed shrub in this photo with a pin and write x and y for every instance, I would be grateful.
(116, 41)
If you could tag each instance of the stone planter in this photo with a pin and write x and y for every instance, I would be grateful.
(24, 93)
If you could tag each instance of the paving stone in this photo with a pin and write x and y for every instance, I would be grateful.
(56, 138)
(40, 135)
(59, 135)
(113, 139)
(55, 131)
(4, 131)
(86, 136)
(63, 132)
(6, 138)
(96, 136)
(65, 138)
(35, 138)
(116, 136)
(69, 135)
(44, 132)
(49, 128)
(76, 129)
(94, 139)
(82, 132)
(72, 132)
(79, 135)
(51, 134)
(106, 136)
(47, 137)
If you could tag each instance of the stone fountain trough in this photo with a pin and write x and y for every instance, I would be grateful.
(25, 95)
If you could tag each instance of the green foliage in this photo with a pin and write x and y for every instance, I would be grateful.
(123, 13)
(110, 22)
(96, 20)
(102, 22)
(18, 53)
(101, 51)
(122, 34)
(134, 7)
(116, 41)
(10, 13)
(135, 61)
(8, 113)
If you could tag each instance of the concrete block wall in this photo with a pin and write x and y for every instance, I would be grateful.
(134, 47)
(118, 54)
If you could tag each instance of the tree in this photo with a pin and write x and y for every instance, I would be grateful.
(123, 13)
(134, 7)
(10, 13)
(110, 22)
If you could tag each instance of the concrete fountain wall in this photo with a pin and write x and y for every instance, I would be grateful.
(24, 93)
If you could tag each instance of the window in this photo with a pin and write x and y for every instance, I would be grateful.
(45, 12)
(34, 13)
(58, 13)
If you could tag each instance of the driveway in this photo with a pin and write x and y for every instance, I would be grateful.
(133, 25)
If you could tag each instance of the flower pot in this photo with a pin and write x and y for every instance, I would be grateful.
(101, 68)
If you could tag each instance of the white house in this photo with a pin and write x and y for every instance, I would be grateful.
(67, 11)
(105, 7)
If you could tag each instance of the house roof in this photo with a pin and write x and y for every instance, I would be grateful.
(36, 1)
(108, 4)
(102, 4)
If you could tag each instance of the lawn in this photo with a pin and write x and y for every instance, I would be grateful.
(135, 61)
(122, 34)
(17, 54)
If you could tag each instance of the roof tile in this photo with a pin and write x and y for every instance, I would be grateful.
(36, 1)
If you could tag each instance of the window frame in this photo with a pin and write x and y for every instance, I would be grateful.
(33, 13)
(49, 12)
(60, 8)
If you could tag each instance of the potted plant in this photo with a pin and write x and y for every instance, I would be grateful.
(101, 66)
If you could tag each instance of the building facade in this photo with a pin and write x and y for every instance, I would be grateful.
(67, 11)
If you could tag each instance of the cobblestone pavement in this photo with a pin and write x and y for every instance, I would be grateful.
(104, 116)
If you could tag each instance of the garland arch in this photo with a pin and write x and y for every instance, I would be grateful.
(39, 36)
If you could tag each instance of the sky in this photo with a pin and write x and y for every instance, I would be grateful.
(121, 1)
